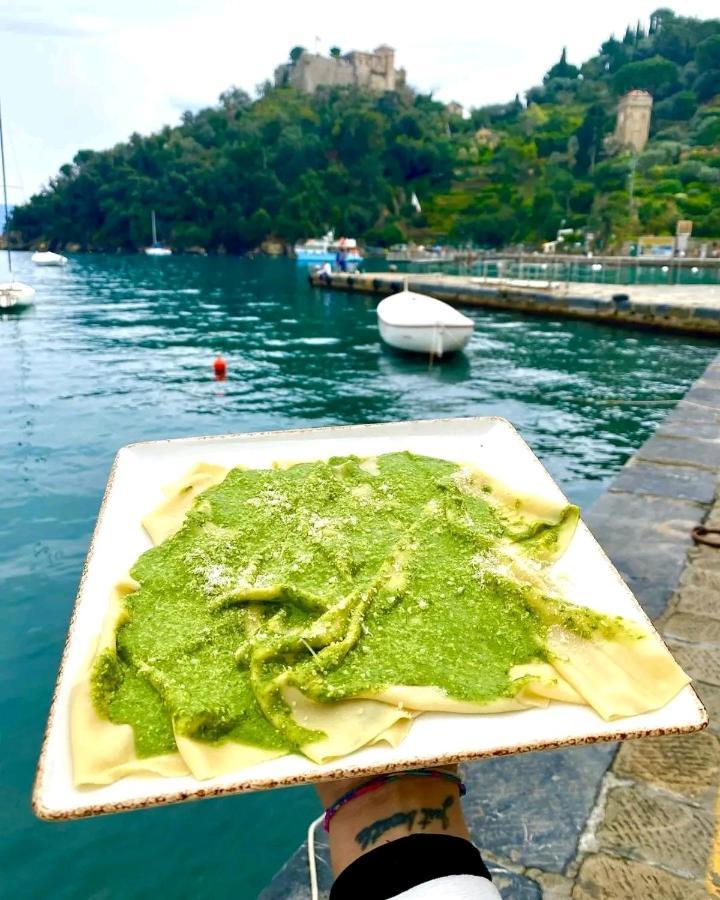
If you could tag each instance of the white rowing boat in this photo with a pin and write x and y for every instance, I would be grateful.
(422, 324)
(15, 296)
(48, 258)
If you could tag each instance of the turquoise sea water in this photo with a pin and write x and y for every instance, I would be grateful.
(120, 349)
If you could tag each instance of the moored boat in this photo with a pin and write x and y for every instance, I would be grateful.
(156, 249)
(48, 258)
(422, 324)
(15, 296)
(326, 249)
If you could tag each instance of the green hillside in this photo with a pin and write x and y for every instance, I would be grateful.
(287, 165)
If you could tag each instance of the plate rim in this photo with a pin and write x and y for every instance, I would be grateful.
(200, 793)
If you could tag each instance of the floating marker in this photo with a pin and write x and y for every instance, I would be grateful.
(220, 367)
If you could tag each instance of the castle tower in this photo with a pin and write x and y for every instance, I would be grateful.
(385, 62)
(633, 120)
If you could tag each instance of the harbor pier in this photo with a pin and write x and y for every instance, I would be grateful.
(691, 309)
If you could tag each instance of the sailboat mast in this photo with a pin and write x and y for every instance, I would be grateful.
(5, 202)
(154, 229)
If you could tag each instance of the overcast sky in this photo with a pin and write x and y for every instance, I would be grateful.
(87, 73)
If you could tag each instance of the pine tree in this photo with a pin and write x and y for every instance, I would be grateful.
(562, 68)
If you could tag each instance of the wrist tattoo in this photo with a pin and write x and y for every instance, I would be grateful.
(424, 816)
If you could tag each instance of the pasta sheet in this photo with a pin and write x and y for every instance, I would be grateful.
(624, 674)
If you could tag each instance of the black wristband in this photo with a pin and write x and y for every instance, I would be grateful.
(400, 865)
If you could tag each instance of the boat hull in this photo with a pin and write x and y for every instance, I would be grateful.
(48, 259)
(435, 340)
(321, 256)
(422, 324)
(158, 251)
(15, 296)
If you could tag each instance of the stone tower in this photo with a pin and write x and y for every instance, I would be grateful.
(383, 68)
(633, 120)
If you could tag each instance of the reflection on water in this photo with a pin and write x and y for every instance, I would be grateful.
(120, 349)
(399, 364)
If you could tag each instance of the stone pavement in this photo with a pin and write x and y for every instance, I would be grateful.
(692, 295)
(639, 821)
(654, 831)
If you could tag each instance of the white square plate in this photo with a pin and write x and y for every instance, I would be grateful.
(492, 444)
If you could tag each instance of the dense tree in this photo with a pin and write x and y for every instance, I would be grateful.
(286, 165)
(647, 75)
(590, 137)
(659, 19)
(708, 134)
(678, 108)
(613, 55)
(707, 53)
(707, 84)
(676, 41)
(562, 68)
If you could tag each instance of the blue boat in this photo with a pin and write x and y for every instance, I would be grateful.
(326, 249)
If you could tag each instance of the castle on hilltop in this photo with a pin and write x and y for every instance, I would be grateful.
(373, 71)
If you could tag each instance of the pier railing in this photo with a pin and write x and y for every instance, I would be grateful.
(620, 270)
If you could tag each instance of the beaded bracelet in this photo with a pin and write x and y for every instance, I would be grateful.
(380, 780)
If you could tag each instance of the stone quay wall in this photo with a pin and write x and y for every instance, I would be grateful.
(639, 819)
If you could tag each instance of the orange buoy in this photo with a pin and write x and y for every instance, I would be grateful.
(220, 367)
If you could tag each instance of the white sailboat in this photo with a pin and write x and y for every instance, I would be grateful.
(422, 324)
(48, 258)
(14, 295)
(157, 249)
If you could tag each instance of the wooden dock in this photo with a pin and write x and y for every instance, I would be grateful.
(693, 309)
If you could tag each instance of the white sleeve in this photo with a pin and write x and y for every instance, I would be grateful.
(452, 887)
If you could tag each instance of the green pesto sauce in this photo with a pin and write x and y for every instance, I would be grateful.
(339, 577)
